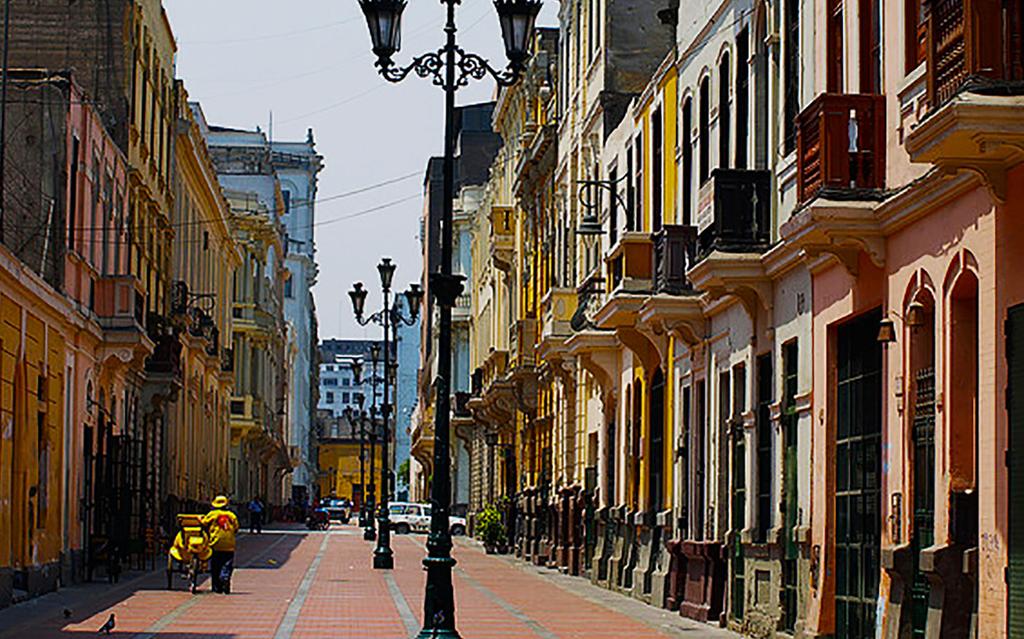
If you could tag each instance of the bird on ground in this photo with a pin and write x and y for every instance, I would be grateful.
(107, 627)
(67, 613)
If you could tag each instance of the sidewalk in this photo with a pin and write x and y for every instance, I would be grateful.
(85, 601)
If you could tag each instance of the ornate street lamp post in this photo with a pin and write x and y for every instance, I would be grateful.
(387, 318)
(357, 418)
(450, 67)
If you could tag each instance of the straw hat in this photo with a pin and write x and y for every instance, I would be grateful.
(220, 501)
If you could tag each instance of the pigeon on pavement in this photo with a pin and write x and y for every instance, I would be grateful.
(107, 627)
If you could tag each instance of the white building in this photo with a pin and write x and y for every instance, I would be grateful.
(297, 165)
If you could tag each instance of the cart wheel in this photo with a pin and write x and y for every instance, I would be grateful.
(193, 575)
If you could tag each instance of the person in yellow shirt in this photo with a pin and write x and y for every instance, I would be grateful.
(223, 524)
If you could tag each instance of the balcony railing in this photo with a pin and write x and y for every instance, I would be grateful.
(227, 360)
(589, 298)
(675, 251)
(841, 144)
(460, 403)
(970, 38)
(734, 215)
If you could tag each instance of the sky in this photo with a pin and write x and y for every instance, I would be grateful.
(290, 66)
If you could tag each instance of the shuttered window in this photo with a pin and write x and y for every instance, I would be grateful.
(1015, 461)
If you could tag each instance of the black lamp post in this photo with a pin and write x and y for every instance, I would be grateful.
(450, 67)
(387, 318)
(357, 418)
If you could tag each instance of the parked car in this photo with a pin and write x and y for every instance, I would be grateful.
(407, 517)
(337, 509)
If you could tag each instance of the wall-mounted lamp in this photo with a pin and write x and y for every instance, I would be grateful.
(887, 331)
(914, 319)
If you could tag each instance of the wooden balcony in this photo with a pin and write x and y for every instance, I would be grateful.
(628, 266)
(675, 252)
(975, 92)
(522, 339)
(557, 309)
(969, 41)
(120, 302)
(246, 416)
(841, 146)
(502, 237)
(734, 212)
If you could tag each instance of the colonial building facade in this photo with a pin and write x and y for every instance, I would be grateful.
(120, 258)
(744, 338)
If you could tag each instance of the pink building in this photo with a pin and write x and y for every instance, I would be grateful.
(106, 356)
(910, 186)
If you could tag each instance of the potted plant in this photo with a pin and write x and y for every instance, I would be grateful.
(490, 530)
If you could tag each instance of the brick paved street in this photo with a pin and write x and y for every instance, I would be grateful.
(293, 584)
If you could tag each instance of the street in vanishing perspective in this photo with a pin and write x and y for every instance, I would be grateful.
(293, 583)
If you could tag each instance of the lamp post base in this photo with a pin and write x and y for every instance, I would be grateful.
(383, 560)
(431, 633)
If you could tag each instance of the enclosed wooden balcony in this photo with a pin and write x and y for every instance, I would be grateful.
(734, 212)
(972, 41)
(675, 252)
(502, 236)
(557, 309)
(629, 264)
(120, 303)
(841, 146)
(522, 338)
(975, 91)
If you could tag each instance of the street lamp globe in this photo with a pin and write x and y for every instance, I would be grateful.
(517, 18)
(384, 19)
(357, 371)
(387, 272)
(414, 297)
(358, 295)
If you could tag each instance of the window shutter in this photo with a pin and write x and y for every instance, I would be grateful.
(1015, 409)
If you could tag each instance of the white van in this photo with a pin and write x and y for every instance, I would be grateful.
(407, 517)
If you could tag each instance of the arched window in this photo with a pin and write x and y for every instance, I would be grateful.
(687, 147)
(742, 97)
(724, 114)
(704, 116)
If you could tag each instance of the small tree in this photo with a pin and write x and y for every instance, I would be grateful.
(403, 473)
(489, 527)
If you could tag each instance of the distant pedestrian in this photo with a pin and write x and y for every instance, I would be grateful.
(256, 516)
(223, 525)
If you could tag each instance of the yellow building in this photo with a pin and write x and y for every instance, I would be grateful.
(35, 321)
(205, 258)
(339, 459)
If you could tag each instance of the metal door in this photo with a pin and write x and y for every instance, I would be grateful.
(924, 491)
(858, 482)
(789, 495)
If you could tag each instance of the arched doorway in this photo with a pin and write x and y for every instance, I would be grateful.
(919, 325)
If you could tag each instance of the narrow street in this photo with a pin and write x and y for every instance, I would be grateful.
(296, 584)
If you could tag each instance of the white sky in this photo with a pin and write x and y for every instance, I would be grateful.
(309, 62)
